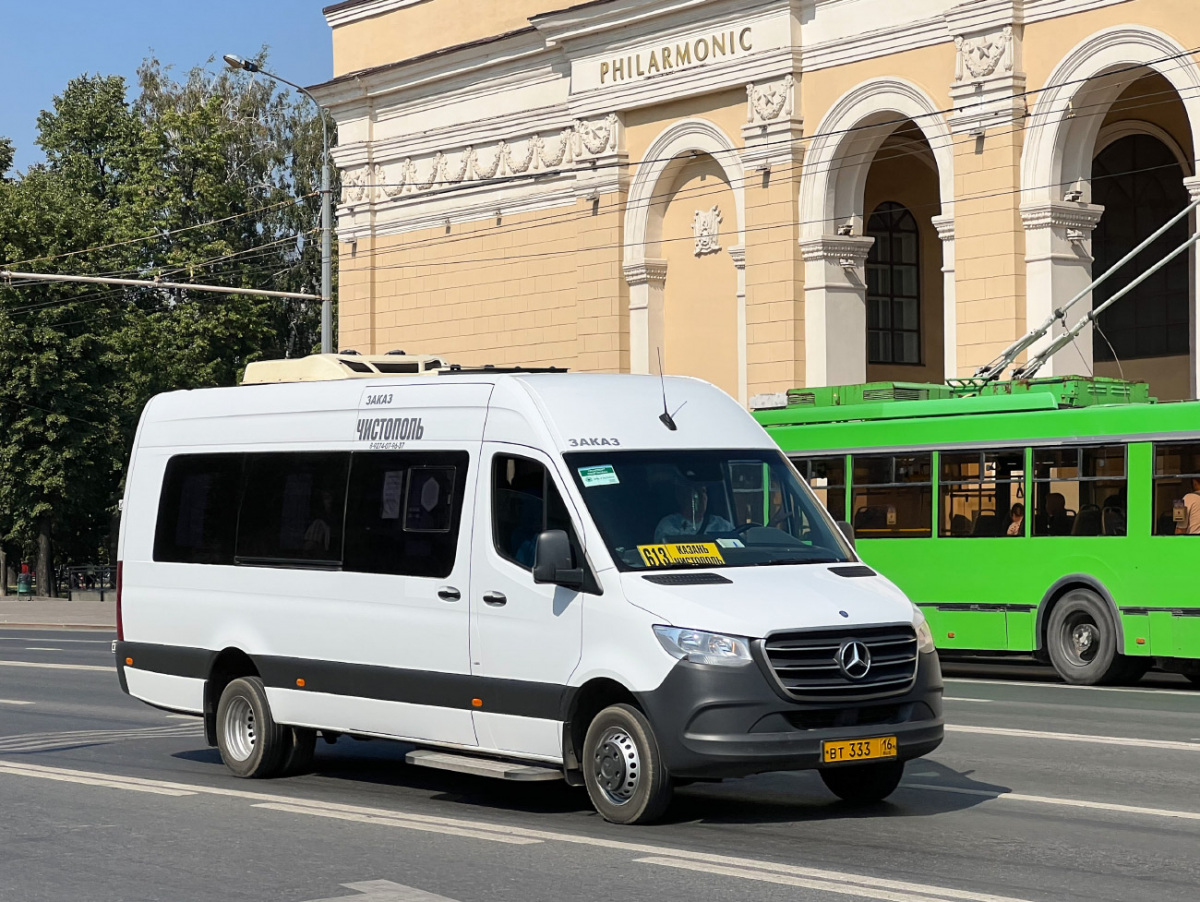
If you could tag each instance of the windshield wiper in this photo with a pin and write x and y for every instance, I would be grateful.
(799, 560)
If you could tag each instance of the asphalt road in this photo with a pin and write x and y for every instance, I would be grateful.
(1041, 792)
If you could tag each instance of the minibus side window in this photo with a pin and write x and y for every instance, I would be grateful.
(403, 512)
(525, 502)
(1079, 491)
(1176, 480)
(293, 509)
(197, 510)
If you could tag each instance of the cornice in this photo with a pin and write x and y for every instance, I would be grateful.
(356, 10)
(944, 226)
(1055, 215)
(646, 272)
(836, 248)
(876, 43)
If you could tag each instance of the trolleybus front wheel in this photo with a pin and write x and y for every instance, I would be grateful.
(1081, 638)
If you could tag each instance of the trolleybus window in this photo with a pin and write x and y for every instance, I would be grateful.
(978, 490)
(893, 496)
(197, 511)
(1080, 491)
(826, 476)
(1177, 489)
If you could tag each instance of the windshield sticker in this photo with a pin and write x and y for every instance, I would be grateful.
(699, 553)
(731, 543)
(592, 476)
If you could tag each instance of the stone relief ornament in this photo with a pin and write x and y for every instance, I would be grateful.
(769, 102)
(581, 140)
(981, 56)
(706, 225)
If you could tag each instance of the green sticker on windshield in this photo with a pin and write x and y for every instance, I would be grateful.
(593, 476)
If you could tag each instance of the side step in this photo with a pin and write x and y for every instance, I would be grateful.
(481, 767)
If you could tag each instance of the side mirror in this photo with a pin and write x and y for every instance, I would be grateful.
(847, 531)
(553, 561)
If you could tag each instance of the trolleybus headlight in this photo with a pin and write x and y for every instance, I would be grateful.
(924, 633)
(700, 647)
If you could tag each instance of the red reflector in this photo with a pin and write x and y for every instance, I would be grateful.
(120, 625)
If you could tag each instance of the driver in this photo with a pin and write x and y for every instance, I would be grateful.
(692, 517)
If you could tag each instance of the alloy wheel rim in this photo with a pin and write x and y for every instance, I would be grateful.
(617, 766)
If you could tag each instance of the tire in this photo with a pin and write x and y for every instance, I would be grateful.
(864, 784)
(301, 748)
(623, 767)
(252, 745)
(1081, 638)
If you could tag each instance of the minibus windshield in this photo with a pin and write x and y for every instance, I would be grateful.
(659, 510)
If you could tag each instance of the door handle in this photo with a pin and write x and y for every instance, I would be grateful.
(495, 599)
(449, 593)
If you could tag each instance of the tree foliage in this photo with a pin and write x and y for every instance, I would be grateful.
(210, 178)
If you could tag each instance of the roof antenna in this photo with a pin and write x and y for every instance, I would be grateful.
(665, 417)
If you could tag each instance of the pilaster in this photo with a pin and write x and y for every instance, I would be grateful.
(835, 309)
(646, 322)
(988, 79)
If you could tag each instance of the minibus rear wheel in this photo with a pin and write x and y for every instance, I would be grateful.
(623, 767)
(862, 784)
(251, 743)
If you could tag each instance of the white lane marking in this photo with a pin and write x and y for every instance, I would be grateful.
(182, 716)
(13, 701)
(1149, 690)
(1170, 744)
(98, 780)
(952, 698)
(407, 823)
(386, 891)
(845, 884)
(311, 806)
(41, 742)
(39, 648)
(1066, 803)
(56, 639)
(92, 667)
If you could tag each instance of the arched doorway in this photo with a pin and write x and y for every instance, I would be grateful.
(1145, 334)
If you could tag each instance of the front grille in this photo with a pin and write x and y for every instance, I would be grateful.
(804, 662)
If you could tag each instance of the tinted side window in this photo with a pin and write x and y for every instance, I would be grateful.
(293, 508)
(525, 502)
(197, 510)
(1079, 491)
(893, 496)
(1177, 489)
(403, 512)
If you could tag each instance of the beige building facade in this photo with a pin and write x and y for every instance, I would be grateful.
(766, 193)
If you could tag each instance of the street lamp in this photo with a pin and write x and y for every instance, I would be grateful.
(236, 62)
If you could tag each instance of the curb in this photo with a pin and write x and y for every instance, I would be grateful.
(95, 627)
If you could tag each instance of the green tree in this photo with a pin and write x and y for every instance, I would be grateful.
(207, 179)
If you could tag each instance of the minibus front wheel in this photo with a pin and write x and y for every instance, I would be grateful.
(623, 768)
(251, 743)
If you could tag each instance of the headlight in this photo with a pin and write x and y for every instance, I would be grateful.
(924, 633)
(700, 647)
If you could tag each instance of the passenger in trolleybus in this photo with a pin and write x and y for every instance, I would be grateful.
(1190, 526)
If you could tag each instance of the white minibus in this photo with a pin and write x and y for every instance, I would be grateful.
(616, 580)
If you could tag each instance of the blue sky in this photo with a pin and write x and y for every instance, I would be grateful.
(46, 43)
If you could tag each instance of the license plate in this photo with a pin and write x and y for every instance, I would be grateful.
(858, 749)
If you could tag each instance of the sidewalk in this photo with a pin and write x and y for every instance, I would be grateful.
(57, 613)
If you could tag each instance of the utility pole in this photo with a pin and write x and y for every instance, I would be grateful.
(236, 62)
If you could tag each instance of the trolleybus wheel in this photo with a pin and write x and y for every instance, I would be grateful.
(862, 784)
(1081, 638)
(251, 743)
(623, 768)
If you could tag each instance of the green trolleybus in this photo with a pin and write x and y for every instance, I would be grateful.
(1052, 517)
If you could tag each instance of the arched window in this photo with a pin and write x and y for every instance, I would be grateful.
(1140, 184)
(893, 286)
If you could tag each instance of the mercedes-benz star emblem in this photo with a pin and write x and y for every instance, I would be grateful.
(854, 659)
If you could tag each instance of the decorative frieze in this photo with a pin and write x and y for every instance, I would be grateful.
(847, 251)
(706, 227)
(581, 141)
(774, 132)
(646, 272)
(1069, 216)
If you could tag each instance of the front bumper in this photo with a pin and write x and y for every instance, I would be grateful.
(713, 722)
